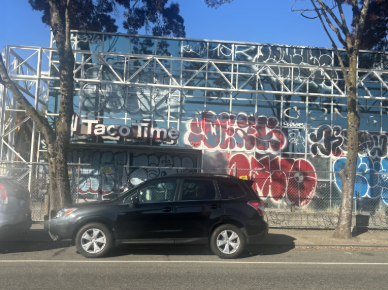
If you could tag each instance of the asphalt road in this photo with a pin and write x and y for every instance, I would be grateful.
(29, 265)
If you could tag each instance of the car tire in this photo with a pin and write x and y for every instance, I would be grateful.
(93, 240)
(227, 242)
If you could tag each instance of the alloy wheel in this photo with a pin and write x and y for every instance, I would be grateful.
(228, 242)
(93, 241)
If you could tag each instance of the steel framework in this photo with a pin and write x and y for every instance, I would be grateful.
(143, 78)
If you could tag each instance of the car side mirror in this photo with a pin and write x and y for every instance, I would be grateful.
(134, 201)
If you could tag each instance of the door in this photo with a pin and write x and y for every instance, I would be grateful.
(198, 208)
(151, 218)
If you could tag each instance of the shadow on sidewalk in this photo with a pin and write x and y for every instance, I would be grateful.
(273, 244)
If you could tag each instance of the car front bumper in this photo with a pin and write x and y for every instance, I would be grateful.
(61, 228)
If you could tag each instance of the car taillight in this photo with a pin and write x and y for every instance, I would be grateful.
(3, 195)
(258, 205)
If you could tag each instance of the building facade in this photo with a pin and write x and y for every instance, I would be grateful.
(149, 106)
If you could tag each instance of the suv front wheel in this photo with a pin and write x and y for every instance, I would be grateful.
(227, 242)
(93, 240)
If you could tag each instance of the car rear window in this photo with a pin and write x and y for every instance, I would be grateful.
(230, 189)
(198, 190)
(14, 188)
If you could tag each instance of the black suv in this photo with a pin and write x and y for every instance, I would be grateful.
(220, 210)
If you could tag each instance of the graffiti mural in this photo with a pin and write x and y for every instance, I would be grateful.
(371, 177)
(109, 172)
(329, 141)
(106, 173)
(236, 132)
(280, 179)
(156, 166)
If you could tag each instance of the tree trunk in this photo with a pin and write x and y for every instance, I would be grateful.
(60, 195)
(348, 174)
(59, 179)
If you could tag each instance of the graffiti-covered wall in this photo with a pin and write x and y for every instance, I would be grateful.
(105, 172)
(273, 113)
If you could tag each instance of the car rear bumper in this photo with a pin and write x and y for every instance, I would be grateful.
(15, 222)
(256, 231)
(6, 228)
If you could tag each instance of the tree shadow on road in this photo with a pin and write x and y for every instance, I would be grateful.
(32, 241)
(28, 246)
(272, 244)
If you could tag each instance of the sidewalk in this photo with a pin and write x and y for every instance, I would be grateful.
(275, 238)
(323, 238)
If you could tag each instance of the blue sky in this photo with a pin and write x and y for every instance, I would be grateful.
(260, 21)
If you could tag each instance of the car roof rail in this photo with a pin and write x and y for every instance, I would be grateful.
(204, 175)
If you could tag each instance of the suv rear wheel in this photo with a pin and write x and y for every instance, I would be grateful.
(227, 242)
(93, 240)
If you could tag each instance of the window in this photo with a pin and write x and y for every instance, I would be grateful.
(198, 190)
(158, 191)
(230, 189)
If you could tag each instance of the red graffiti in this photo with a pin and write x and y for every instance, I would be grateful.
(277, 178)
(237, 132)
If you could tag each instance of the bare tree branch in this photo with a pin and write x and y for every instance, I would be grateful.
(342, 14)
(67, 26)
(329, 10)
(40, 121)
(303, 11)
(343, 68)
(335, 29)
(361, 23)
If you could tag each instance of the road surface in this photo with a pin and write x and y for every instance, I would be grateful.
(43, 265)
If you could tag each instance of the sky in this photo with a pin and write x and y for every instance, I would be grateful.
(259, 21)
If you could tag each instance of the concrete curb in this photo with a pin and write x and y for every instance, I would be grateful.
(320, 246)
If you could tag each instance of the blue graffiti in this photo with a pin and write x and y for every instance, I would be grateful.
(371, 177)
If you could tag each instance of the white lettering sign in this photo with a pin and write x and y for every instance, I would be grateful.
(135, 130)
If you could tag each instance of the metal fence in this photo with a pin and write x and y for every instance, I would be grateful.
(292, 198)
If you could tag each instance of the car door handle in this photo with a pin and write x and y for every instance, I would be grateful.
(167, 209)
(215, 206)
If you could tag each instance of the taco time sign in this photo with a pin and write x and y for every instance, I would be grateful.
(92, 127)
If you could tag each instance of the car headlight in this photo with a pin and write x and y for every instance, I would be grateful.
(65, 212)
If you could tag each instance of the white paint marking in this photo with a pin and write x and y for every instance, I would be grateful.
(194, 262)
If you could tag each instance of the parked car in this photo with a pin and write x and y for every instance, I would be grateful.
(15, 212)
(219, 210)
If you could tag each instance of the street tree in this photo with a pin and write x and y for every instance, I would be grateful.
(63, 16)
(332, 17)
(155, 16)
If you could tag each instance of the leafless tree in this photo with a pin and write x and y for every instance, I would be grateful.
(57, 140)
(332, 17)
